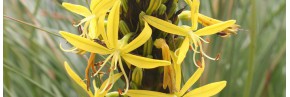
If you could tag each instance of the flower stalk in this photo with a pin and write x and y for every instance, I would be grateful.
(143, 41)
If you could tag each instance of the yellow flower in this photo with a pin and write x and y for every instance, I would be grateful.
(97, 9)
(97, 92)
(190, 36)
(117, 49)
(207, 21)
(94, 17)
(204, 91)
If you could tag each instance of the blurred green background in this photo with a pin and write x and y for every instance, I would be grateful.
(252, 62)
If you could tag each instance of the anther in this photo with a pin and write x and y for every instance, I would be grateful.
(199, 64)
(120, 91)
(217, 57)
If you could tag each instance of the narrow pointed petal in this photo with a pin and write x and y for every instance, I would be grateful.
(146, 93)
(165, 26)
(194, 14)
(138, 41)
(208, 20)
(78, 9)
(85, 44)
(212, 29)
(143, 62)
(177, 77)
(183, 50)
(77, 79)
(192, 79)
(177, 70)
(103, 6)
(207, 90)
(92, 29)
(94, 3)
(101, 30)
(113, 25)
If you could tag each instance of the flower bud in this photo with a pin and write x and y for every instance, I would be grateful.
(125, 5)
(137, 76)
(161, 9)
(148, 47)
(153, 6)
(172, 10)
(124, 27)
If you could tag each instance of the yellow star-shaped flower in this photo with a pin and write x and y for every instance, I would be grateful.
(190, 36)
(117, 49)
(97, 9)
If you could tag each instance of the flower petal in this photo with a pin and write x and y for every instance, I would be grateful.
(92, 29)
(94, 3)
(101, 29)
(183, 50)
(146, 93)
(77, 79)
(212, 29)
(206, 21)
(192, 79)
(84, 44)
(194, 14)
(177, 70)
(102, 7)
(207, 90)
(113, 25)
(143, 62)
(165, 26)
(177, 76)
(138, 41)
(78, 9)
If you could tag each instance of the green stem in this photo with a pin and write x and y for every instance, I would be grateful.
(252, 52)
(31, 25)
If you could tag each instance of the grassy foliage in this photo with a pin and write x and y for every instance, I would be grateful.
(252, 62)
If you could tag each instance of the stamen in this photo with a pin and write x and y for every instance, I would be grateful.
(193, 58)
(85, 31)
(109, 79)
(201, 38)
(217, 57)
(207, 39)
(85, 20)
(113, 65)
(68, 50)
(199, 64)
(204, 53)
(125, 75)
(120, 91)
(106, 60)
(190, 48)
